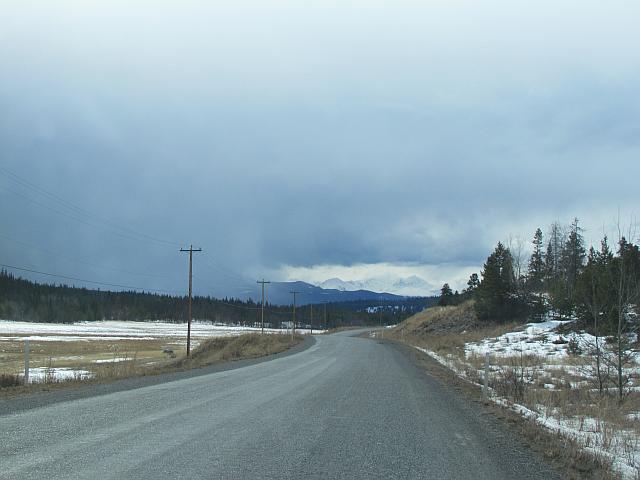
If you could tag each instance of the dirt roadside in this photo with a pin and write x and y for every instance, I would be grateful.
(561, 453)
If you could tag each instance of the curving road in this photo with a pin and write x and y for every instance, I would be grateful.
(347, 407)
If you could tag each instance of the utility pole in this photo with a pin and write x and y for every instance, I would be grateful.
(26, 362)
(311, 305)
(262, 282)
(293, 327)
(325, 316)
(380, 311)
(190, 250)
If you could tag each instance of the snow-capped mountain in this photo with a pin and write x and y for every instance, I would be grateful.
(338, 284)
(412, 285)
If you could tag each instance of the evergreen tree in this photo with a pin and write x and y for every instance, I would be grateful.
(536, 272)
(594, 302)
(626, 270)
(472, 283)
(24, 300)
(536, 279)
(496, 297)
(595, 291)
(446, 295)
(573, 256)
(564, 261)
(554, 252)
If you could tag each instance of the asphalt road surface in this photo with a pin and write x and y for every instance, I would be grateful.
(347, 407)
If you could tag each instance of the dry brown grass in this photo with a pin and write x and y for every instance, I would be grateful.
(453, 319)
(82, 353)
(224, 349)
(132, 358)
(447, 329)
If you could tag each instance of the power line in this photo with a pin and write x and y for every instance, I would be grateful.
(71, 215)
(76, 212)
(77, 209)
(214, 284)
(209, 261)
(79, 260)
(64, 214)
(236, 306)
(243, 307)
(93, 282)
(141, 289)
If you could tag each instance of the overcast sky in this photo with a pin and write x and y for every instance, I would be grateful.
(304, 140)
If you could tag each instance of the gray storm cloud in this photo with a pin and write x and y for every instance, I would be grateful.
(287, 134)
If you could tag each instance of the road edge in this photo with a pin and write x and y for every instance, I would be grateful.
(547, 446)
(30, 401)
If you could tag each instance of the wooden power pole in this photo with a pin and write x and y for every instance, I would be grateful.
(311, 305)
(262, 282)
(293, 327)
(325, 316)
(190, 250)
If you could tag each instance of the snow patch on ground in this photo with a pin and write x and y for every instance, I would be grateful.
(537, 339)
(112, 360)
(48, 375)
(119, 330)
(621, 447)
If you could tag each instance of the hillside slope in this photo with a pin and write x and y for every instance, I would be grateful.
(435, 320)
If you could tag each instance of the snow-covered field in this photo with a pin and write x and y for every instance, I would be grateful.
(61, 352)
(117, 330)
(553, 362)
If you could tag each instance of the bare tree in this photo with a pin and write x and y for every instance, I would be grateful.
(557, 238)
(627, 294)
(516, 246)
(596, 291)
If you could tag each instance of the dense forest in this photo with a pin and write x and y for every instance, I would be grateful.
(25, 300)
(599, 287)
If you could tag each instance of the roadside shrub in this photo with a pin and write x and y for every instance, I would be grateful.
(573, 347)
(517, 376)
(10, 380)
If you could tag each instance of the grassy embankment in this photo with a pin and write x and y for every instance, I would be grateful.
(557, 392)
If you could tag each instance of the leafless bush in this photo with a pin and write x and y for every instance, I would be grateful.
(10, 380)
(517, 376)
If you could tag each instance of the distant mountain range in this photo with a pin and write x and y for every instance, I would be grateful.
(411, 284)
(279, 293)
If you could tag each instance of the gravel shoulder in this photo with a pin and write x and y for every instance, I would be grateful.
(27, 401)
(560, 454)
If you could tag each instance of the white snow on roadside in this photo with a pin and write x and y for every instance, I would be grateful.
(621, 447)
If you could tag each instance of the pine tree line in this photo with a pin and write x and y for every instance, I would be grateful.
(24, 300)
(561, 279)
(598, 288)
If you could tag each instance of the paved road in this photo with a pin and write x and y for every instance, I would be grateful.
(345, 408)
